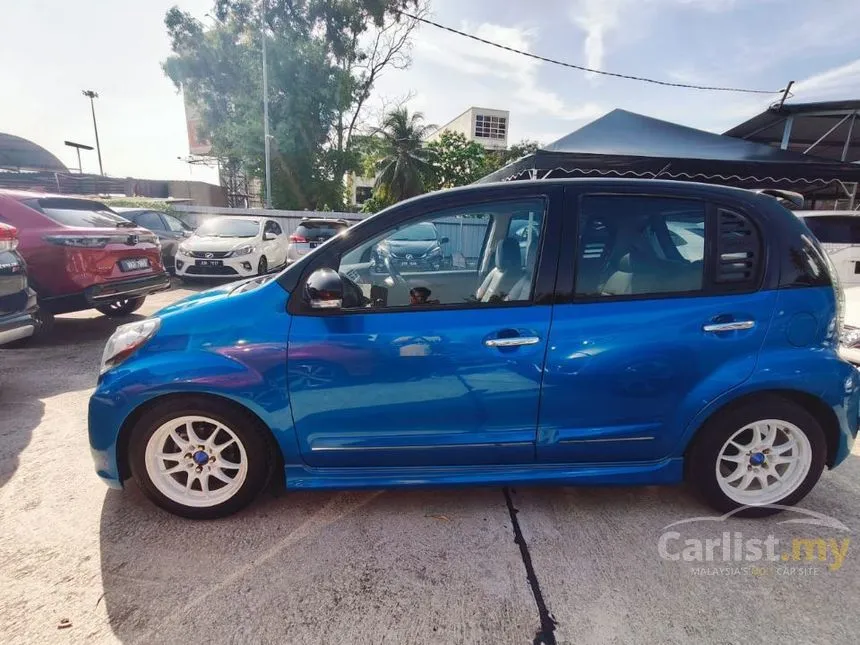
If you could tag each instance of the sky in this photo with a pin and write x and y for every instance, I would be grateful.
(116, 49)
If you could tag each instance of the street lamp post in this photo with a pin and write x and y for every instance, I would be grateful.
(266, 143)
(94, 95)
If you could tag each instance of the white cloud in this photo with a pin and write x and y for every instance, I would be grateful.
(596, 18)
(839, 82)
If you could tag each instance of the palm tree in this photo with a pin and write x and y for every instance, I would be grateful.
(406, 161)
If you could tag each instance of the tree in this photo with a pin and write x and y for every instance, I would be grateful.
(316, 77)
(406, 162)
(496, 159)
(456, 161)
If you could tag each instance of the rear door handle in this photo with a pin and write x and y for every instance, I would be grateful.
(515, 341)
(734, 325)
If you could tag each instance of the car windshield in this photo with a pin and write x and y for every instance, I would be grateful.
(423, 232)
(229, 227)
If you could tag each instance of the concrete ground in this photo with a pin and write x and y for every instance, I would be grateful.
(81, 563)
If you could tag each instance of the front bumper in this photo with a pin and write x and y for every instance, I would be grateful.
(244, 266)
(16, 326)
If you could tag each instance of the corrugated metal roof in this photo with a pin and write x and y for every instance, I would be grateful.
(17, 153)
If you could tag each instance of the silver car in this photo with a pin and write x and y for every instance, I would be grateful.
(312, 232)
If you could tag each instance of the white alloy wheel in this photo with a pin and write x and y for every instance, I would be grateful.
(763, 462)
(196, 461)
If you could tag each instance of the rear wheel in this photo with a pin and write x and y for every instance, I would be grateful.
(759, 455)
(122, 307)
(200, 458)
(263, 266)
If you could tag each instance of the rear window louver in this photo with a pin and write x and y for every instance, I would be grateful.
(738, 250)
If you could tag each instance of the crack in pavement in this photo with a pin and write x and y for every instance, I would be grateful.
(546, 634)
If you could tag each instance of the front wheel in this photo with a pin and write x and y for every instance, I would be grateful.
(757, 457)
(263, 266)
(122, 307)
(199, 458)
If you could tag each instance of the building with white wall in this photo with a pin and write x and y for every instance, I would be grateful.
(482, 125)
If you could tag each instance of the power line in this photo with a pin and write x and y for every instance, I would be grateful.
(630, 77)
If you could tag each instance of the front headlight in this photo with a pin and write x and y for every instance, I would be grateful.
(183, 249)
(243, 250)
(434, 252)
(126, 340)
(850, 336)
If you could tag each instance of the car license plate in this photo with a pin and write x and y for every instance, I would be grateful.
(209, 263)
(313, 245)
(134, 264)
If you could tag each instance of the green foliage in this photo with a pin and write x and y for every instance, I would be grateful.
(316, 86)
(406, 162)
(496, 159)
(139, 202)
(456, 161)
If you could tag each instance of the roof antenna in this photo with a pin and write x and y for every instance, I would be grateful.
(784, 95)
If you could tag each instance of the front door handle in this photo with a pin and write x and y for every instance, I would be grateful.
(734, 325)
(514, 341)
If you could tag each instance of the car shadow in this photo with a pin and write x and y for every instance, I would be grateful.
(66, 361)
(310, 563)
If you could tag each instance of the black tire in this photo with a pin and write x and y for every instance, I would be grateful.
(122, 307)
(701, 458)
(44, 326)
(249, 430)
(263, 266)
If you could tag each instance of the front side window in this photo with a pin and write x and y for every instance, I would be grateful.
(273, 227)
(229, 227)
(461, 256)
(632, 245)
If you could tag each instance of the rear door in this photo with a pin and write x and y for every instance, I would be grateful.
(662, 313)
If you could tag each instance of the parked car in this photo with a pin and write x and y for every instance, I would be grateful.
(17, 299)
(232, 247)
(613, 358)
(170, 230)
(839, 234)
(81, 255)
(414, 248)
(312, 232)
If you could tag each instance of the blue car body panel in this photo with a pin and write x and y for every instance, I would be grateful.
(613, 392)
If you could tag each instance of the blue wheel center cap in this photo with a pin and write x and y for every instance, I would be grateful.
(757, 458)
(200, 457)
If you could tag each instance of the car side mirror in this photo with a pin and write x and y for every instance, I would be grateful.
(269, 236)
(324, 289)
(444, 240)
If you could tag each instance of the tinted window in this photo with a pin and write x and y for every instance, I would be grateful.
(76, 212)
(174, 224)
(805, 265)
(273, 227)
(835, 229)
(634, 245)
(229, 227)
(317, 230)
(149, 220)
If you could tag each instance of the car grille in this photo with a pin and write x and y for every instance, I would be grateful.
(208, 255)
(222, 270)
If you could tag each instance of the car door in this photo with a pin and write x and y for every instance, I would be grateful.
(662, 314)
(423, 372)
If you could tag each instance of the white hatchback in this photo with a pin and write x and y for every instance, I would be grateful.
(234, 247)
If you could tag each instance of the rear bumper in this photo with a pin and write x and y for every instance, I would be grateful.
(16, 326)
(103, 293)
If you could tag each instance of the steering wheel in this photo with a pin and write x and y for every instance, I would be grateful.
(393, 273)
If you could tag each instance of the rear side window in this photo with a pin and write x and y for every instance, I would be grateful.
(805, 265)
(76, 212)
(739, 257)
(319, 230)
(632, 245)
(149, 220)
(834, 229)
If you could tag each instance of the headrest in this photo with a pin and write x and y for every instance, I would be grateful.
(508, 254)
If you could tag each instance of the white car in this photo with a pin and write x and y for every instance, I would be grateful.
(850, 342)
(839, 234)
(235, 247)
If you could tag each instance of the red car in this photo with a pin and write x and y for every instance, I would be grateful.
(81, 255)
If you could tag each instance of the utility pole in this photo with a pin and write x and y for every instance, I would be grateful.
(266, 144)
(94, 95)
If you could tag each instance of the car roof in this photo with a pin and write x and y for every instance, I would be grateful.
(323, 220)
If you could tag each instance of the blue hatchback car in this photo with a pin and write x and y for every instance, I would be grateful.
(585, 332)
